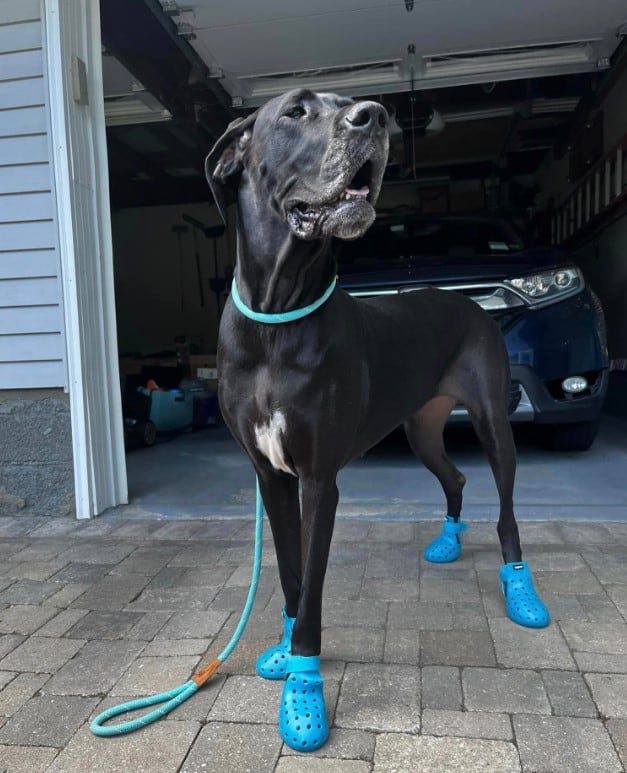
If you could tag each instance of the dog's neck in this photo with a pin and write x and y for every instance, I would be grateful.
(276, 271)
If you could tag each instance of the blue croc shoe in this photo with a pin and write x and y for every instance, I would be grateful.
(522, 603)
(271, 663)
(302, 713)
(448, 546)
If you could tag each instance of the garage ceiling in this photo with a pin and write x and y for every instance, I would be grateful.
(506, 76)
(365, 48)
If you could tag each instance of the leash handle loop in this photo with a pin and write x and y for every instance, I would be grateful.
(170, 700)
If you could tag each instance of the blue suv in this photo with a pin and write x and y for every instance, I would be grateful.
(551, 320)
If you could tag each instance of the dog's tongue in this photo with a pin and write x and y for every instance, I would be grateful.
(363, 191)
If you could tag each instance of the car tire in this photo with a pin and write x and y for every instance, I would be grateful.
(148, 433)
(578, 436)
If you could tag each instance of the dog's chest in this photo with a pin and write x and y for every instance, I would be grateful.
(269, 439)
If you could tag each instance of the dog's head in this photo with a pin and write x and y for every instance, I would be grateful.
(317, 159)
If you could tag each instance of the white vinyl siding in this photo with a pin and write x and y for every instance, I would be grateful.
(32, 348)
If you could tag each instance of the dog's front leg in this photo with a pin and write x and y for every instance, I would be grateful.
(302, 713)
(280, 498)
(319, 502)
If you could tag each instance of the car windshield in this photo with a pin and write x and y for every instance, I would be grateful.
(402, 239)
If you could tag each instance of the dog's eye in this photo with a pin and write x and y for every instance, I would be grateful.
(297, 111)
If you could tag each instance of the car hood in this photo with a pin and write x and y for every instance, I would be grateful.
(451, 270)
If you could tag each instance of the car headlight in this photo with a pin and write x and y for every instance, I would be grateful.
(548, 286)
(498, 299)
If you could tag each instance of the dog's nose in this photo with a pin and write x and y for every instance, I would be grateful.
(364, 116)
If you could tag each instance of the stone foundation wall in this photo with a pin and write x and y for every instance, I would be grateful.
(36, 471)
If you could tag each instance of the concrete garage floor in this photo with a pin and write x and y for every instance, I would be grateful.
(204, 474)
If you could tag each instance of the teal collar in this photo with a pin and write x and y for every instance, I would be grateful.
(285, 316)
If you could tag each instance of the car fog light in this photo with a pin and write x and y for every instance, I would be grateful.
(574, 384)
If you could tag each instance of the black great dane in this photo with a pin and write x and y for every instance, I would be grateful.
(311, 377)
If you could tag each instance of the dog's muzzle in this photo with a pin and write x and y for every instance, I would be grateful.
(347, 215)
(345, 208)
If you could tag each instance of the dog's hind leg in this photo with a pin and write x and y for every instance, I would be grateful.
(495, 435)
(522, 603)
(424, 431)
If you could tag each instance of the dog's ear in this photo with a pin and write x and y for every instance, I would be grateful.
(226, 160)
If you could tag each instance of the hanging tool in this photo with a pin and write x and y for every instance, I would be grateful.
(201, 289)
(217, 283)
(178, 230)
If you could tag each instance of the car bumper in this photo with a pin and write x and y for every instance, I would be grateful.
(539, 405)
(535, 404)
(547, 345)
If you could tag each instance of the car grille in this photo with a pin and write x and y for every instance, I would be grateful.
(505, 318)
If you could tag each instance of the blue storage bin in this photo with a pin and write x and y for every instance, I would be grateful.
(170, 410)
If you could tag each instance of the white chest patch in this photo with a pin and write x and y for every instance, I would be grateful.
(269, 439)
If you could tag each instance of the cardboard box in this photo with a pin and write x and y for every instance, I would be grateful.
(204, 366)
(202, 360)
(434, 200)
(467, 196)
(129, 366)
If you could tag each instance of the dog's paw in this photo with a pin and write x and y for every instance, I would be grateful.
(302, 713)
(522, 603)
(447, 546)
(271, 663)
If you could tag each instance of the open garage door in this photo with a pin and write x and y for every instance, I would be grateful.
(489, 121)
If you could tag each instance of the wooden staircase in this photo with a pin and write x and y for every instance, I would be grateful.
(598, 199)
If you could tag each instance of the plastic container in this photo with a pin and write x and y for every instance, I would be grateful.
(171, 410)
(205, 400)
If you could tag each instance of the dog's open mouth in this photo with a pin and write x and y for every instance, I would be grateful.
(346, 212)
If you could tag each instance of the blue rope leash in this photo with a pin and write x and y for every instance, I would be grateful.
(168, 701)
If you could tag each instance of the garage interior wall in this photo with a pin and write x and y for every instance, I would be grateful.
(156, 278)
(158, 297)
(602, 259)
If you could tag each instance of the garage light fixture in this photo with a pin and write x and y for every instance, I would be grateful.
(556, 105)
(135, 106)
(434, 70)
(509, 60)
(132, 111)
(537, 107)
(369, 75)
(478, 115)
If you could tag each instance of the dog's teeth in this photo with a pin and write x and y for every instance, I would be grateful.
(355, 193)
